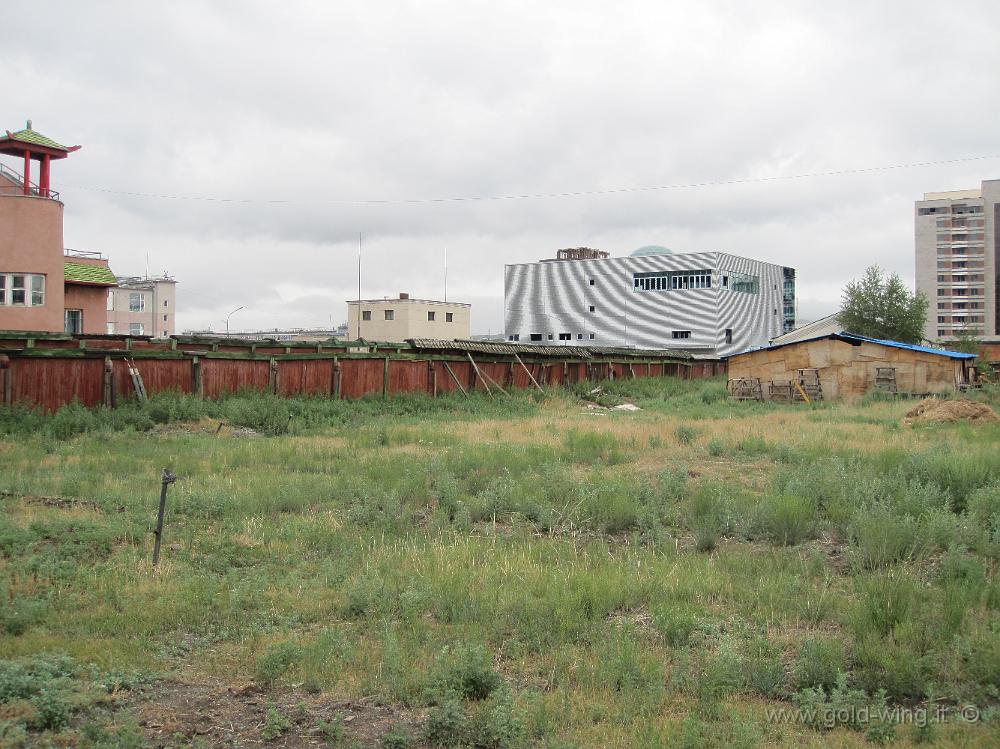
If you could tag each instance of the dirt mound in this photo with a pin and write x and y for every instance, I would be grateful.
(934, 410)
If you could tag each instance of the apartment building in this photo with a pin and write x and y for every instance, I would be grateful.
(712, 302)
(956, 260)
(142, 305)
(399, 319)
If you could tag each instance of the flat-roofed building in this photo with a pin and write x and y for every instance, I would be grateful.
(957, 244)
(403, 318)
(142, 305)
(712, 302)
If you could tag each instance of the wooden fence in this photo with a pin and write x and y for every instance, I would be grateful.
(50, 370)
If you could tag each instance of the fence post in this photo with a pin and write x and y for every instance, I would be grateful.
(109, 379)
(385, 378)
(167, 480)
(7, 374)
(336, 378)
(432, 381)
(272, 376)
(197, 384)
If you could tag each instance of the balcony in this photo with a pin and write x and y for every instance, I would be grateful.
(12, 183)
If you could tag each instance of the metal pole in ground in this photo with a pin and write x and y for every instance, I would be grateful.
(166, 481)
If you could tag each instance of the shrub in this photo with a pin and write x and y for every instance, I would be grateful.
(685, 434)
(275, 724)
(466, 671)
(884, 600)
(583, 446)
(446, 723)
(882, 537)
(817, 663)
(496, 725)
(786, 520)
(763, 669)
(397, 737)
(275, 662)
(715, 448)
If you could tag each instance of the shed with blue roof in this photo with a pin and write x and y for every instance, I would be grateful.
(849, 365)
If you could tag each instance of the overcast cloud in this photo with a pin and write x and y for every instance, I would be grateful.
(319, 104)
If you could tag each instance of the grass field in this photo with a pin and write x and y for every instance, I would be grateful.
(509, 573)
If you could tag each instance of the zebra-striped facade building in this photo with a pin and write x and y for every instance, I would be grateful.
(704, 301)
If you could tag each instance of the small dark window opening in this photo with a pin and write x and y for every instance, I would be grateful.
(592, 308)
(729, 335)
(536, 336)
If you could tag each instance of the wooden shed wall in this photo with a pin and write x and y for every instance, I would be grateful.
(848, 371)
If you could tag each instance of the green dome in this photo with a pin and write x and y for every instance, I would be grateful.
(651, 249)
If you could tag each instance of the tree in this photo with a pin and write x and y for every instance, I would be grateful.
(878, 306)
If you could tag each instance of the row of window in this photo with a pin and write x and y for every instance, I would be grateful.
(959, 223)
(956, 210)
(970, 251)
(970, 264)
(960, 305)
(943, 333)
(963, 237)
(974, 278)
(696, 279)
(22, 289)
(961, 291)
(537, 337)
(958, 319)
(390, 314)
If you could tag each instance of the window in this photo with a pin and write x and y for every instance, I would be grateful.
(565, 337)
(592, 336)
(135, 328)
(111, 301)
(22, 289)
(390, 314)
(449, 317)
(672, 280)
(592, 308)
(729, 335)
(942, 318)
(579, 336)
(366, 314)
(592, 282)
(430, 317)
(942, 333)
(164, 318)
(681, 334)
(136, 302)
(111, 328)
(73, 320)
(516, 337)
(536, 336)
(550, 336)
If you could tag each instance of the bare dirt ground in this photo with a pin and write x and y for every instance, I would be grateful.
(211, 714)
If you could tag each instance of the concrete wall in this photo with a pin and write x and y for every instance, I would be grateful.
(92, 301)
(31, 241)
(160, 303)
(847, 371)
(409, 320)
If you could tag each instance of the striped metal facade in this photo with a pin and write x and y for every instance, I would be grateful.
(553, 298)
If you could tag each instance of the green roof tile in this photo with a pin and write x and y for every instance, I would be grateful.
(83, 273)
(31, 136)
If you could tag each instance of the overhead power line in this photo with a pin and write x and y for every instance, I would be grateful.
(531, 196)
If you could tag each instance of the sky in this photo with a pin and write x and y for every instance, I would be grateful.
(242, 146)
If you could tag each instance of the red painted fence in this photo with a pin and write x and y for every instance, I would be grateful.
(50, 370)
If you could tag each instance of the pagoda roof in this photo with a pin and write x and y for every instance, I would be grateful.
(16, 143)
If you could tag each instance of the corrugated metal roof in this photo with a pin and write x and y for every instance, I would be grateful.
(823, 326)
(852, 338)
(99, 275)
(508, 349)
(910, 346)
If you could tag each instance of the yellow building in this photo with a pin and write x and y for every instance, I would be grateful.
(399, 319)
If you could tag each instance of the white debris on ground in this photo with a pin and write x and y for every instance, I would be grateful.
(626, 407)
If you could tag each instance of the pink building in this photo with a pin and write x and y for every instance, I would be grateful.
(41, 288)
